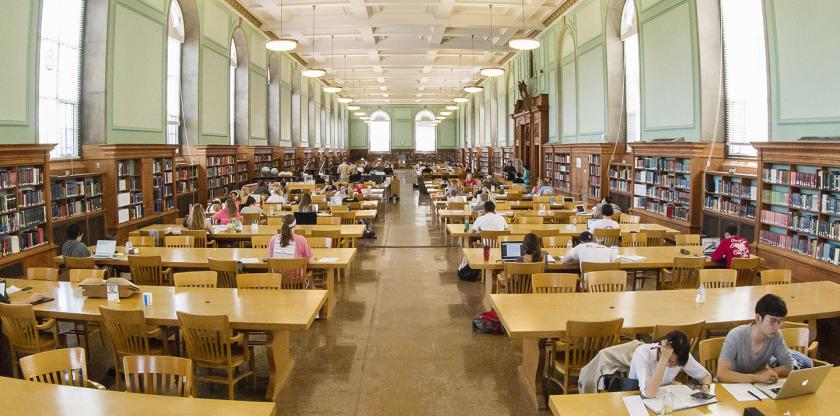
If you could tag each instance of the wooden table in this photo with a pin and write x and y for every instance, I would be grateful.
(351, 231)
(196, 258)
(362, 214)
(821, 403)
(31, 398)
(534, 318)
(457, 230)
(275, 311)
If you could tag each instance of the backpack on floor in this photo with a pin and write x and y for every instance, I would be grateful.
(488, 323)
(467, 273)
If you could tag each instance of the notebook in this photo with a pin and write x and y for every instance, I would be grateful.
(105, 249)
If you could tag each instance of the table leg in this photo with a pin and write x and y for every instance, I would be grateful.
(326, 310)
(280, 363)
(531, 369)
(488, 287)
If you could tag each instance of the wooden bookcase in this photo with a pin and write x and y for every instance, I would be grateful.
(77, 199)
(557, 167)
(289, 161)
(730, 198)
(799, 209)
(620, 181)
(215, 180)
(590, 169)
(485, 161)
(186, 187)
(163, 184)
(500, 156)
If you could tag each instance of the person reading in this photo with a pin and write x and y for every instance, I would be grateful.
(606, 221)
(229, 213)
(490, 221)
(658, 364)
(588, 251)
(74, 247)
(732, 246)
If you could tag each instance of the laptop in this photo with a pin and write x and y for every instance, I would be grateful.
(589, 222)
(511, 250)
(306, 218)
(797, 383)
(105, 249)
(579, 209)
(568, 199)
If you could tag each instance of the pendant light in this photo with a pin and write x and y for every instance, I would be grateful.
(523, 43)
(282, 44)
(452, 107)
(352, 84)
(313, 72)
(492, 71)
(332, 89)
(473, 88)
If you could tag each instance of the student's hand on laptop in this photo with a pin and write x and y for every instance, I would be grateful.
(766, 376)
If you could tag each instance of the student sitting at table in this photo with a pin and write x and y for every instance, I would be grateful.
(731, 247)
(532, 251)
(748, 348)
(469, 181)
(74, 247)
(518, 178)
(214, 206)
(306, 204)
(588, 251)
(287, 244)
(537, 189)
(480, 201)
(261, 188)
(596, 210)
(277, 195)
(250, 207)
(196, 220)
(605, 222)
(230, 212)
(490, 221)
(243, 194)
(657, 364)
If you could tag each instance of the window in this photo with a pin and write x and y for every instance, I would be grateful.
(59, 76)
(425, 131)
(744, 74)
(379, 132)
(232, 88)
(632, 88)
(175, 39)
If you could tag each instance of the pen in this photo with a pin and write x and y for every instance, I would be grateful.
(754, 395)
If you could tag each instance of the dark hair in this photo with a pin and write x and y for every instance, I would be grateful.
(531, 245)
(585, 237)
(731, 229)
(74, 231)
(286, 230)
(607, 210)
(680, 343)
(771, 304)
(248, 202)
(489, 206)
(306, 202)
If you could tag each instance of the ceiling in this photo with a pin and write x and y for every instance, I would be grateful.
(401, 51)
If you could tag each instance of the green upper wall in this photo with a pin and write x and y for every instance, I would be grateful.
(18, 72)
(402, 127)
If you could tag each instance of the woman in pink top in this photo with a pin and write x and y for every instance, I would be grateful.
(229, 212)
(287, 244)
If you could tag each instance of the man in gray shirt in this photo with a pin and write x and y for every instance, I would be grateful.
(74, 247)
(748, 348)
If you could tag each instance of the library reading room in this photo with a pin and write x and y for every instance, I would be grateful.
(420, 207)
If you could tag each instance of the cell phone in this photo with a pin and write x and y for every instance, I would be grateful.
(24, 289)
(702, 396)
(684, 251)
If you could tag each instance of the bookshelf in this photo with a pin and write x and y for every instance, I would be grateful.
(500, 156)
(221, 176)
(129, 190)
(485, 158)
(215, 178)
(289, 162)
(590, 169)
(730, 195)
(77, 199)
(186, 187)
(557, 166)
(620, 182)
(242, 172)
(163, 185)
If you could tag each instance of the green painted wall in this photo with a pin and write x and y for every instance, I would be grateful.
(19, 46)
(402, 127)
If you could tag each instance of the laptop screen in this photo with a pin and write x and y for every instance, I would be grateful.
(589, 222)
(511, 250)
(306, 218)
(105, 247)
(579, 208)
(568, 199)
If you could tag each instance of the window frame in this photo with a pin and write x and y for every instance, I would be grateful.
(386, 121)
(175, 120)
(427, 122)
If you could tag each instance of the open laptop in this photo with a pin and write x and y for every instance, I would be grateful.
(579, 209)
(511, 250)
(568, 199)
(105, 249)
(797, 383)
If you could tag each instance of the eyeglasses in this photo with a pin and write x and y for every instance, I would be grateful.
(774, 321)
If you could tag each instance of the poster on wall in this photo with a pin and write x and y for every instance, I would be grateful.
(577, 162)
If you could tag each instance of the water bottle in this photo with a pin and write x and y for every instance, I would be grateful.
(667, 404)
(701, 294)
(255, 226)
(466, 222)
(486, 253)
(569, 245)
(551, 200)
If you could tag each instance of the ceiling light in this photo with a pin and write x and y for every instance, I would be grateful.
(365, 117)
(359, 113)
(387, 100)
(445, 113)
(416, 101)
(418, 95)
(451, 107)
(344, 100)
(521, 42)
(473, 89)
(281, 45)
(460, 99)
(329, 89)
(313, 72)
(440, 118)
(352, 107)
(493, 71)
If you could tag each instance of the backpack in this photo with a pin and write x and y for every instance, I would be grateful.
(488, 323)
(617, 382)
(467, 273)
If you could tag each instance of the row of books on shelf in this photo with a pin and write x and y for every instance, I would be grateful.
(827, 251)
(805, 201)
(61, 210)
(129, 198)
(715, 203)
(161, 165)
(595, 180)
(594, 159)
(129, 183)
(242, 166)
(664, 164)
(8, 202)
(262, 158)
(662, 208)
(187, 186)
(220, 181)
(165, 177)
(161, 181)
(826, 204)
(31, 197)
(623, 173)
(220, 160)
(733, 189)
(164, 191)
(8, 178)
(23, 219)
(558, 158)
(187, 172)
(619, 185)
(15, 243)
(821, 179)
(220, 171)
(662, 179)
(164, 204)
(31, 175)
(129, 213)
(595, 170)
(128, 167)
(595, 191)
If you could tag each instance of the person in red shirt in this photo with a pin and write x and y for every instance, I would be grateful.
(731, 247)
(469, 181)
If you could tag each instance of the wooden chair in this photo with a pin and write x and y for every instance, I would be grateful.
(799, 339)
(634, 240)
(606, 281)
(694, 331)
(718, 278)
(275, 221)
(333, 234)
(64, 366)
(158, 374)
(578, 219)
(556, 241)
(581, 342)
(199, 238)
(491, 238)
(147, 270)
(319, 242)
(511, 237)
(562, 217)
(747, 270)
(656, 238)
(503, 206)
(83, 330)
(514, 196)
(354, 206)
(211, 344)
(529, 220)
(455, 205)
(260, 241)
(685, 273)
(586, 267)
(179, 241)
(554, 282)
(26, 336)
(628, 219)
(293, 272)
(73, 263)
(130, 335)
(687, 239)
(609, 236)
(226, 271)
(339, 208)
(273, 281)
(42, 273)
(142, 241)
(775, 277)
(709, 352)
(196, 279)
(544, 233)
(78, 275)
(347, 218)
(517, 276)
(251, 218)
(328, 220)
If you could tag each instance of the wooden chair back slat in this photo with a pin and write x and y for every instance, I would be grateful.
(179, 241)
(127, 330)
(608, 236)
(606, 281)
(293, 272)
(42, 273)
(226, 271)
(556, 241)
(64, 366)
(264, 281)
(687, 239)
(634, 240)
(694, 331)
(686, 272)
(20, 326)
(260, 241)
(583, 340)
(142, 240)
(775, 276)
(709, 352)
(718, 278)
(554, 282)
(207, 279)
(518, 276)
(747, 270)
(158, 374)
(146, 270)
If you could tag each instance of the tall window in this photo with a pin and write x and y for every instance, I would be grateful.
(232, 91)
(379, 132)
(425, 131)
(59, 76)
(175, 39)
(745, 75)
(632, 88)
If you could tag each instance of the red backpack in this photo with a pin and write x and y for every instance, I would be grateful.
(488, 323)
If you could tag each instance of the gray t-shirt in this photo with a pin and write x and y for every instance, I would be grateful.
(74, 248)
(737, 349)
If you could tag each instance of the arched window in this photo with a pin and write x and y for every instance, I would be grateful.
(425, 131)
(744, 74)
(175, 38)
(232, 91)
(632, 87)
(59, 76)
(379, 132)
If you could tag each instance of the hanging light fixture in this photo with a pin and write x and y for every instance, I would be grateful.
(352, 107)
(344, 100)
(446, 113)
(359, 113)
(313, 72)
(492, 71)
(460, 99)
(352, 79)
(523, 43)
(451, 107)
(332, 89)
(473, 88)
(282, 44)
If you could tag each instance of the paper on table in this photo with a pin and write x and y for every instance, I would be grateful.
(328, 260)
(629, 258)
(250, 260)
(635, 406)
(11, 290)
(550, 258)
(682, 398)
(741, 391)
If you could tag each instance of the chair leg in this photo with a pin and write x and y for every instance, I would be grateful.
(15, 364)
(230, 383)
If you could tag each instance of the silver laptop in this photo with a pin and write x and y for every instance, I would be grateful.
(511, 250)
(797, 383)
(105, 249)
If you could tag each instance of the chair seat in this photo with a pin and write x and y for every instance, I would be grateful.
(559, 366)
(237, 358)
(46, 342)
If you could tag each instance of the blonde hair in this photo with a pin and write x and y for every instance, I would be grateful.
(196, 218)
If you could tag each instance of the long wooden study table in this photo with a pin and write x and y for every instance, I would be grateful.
(822, 403)
(348, 231)
(361, 214)
(457, 230)
(536, 317)
(196, 258)
(275, 311)
(26, 398)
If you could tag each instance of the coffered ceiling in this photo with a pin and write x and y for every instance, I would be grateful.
(402, 51)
